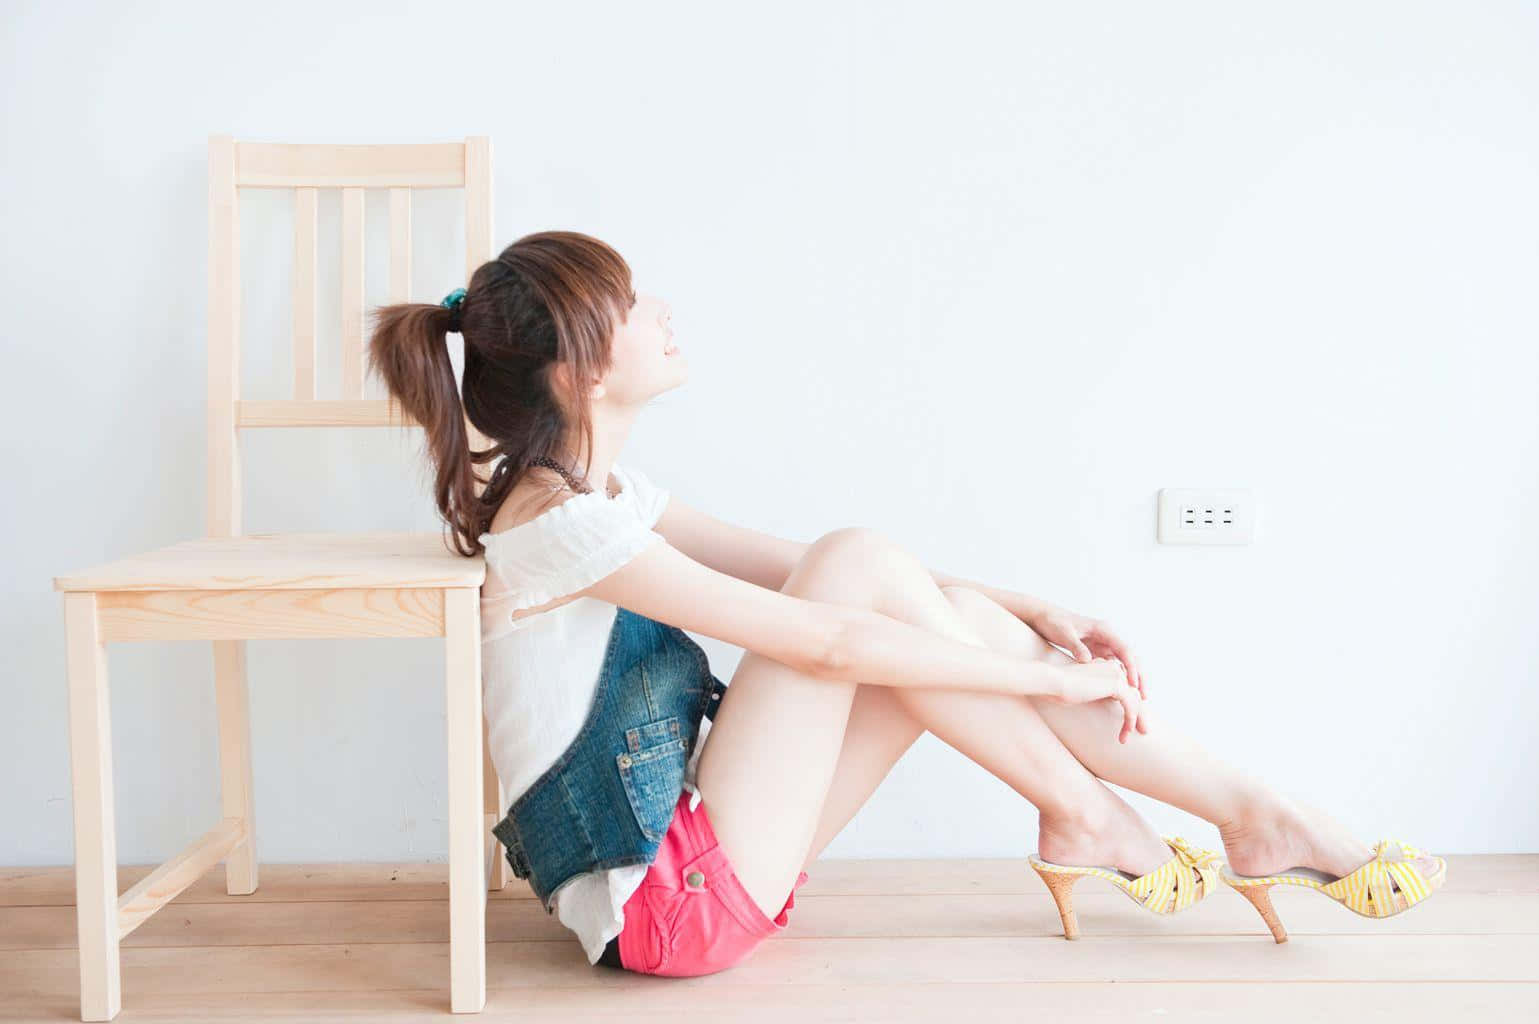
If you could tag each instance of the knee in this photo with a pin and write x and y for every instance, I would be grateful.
(861, 549)
(850, 543)
(856, 556)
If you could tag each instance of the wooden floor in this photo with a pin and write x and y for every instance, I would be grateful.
(962, 941)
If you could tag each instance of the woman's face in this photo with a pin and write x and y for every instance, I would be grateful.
(646, 360)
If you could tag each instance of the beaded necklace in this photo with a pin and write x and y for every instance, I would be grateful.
(573, 481)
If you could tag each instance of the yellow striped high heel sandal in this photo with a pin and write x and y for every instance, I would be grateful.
(1189, 875)
(1397, 878)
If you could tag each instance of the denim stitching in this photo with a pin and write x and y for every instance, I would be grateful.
(668, 749)
(706, 677)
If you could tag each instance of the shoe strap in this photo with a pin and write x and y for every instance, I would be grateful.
(1176, 876)
(1369, 891)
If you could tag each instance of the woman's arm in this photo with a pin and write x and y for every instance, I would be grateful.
(767, 560)
(728, 548)
(822, 639)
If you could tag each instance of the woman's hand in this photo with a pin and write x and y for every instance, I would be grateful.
(1101, 679)
(1085, 638)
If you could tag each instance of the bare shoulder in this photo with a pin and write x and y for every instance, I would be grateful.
(530, 497)
(526, 501)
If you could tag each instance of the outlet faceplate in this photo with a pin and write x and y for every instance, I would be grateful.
(1199, 515)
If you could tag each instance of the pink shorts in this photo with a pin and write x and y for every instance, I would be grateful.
(691, 914)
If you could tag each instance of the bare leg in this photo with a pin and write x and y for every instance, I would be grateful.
(1003, 734)
(882, 727)
(771, 756)
(880, 731)
(781, 735)
(1262, 831)
(1256, 824)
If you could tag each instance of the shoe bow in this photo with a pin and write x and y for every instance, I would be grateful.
(1191, 856)
(1390, 850)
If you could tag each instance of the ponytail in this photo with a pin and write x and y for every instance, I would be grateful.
(550, 298)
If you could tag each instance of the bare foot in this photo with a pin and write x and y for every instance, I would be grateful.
(1275, 834)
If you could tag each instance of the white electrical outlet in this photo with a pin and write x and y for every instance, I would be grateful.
(1196, 515)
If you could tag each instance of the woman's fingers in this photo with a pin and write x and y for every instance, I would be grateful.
(1107, 677)
(1135, 674)
(1129, 713)
(1132, 706)
(1104, 638)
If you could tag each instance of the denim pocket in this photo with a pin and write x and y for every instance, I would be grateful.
(653, 775)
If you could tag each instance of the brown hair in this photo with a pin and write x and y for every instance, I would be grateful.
(550, 297)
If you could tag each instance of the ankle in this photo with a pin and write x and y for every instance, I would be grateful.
(1254, 812)
(1075, 827)
(1107, 831)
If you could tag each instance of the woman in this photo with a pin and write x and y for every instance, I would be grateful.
(594, 693)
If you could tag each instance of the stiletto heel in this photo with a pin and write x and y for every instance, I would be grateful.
(1062, 888)
(1262, 901)
(1188, 876)
(1387, 885)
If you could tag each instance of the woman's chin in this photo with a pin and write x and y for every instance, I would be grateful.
(676, 379)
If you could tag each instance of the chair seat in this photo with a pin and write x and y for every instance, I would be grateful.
(288, 561)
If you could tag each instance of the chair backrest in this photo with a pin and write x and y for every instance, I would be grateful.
(306, 169)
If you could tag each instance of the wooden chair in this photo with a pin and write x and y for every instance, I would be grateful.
(229, 587)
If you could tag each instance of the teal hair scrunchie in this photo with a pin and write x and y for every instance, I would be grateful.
(454, 299)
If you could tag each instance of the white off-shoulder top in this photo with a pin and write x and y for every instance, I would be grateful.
(539, 672)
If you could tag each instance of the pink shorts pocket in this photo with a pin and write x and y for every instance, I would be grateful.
(691, 914)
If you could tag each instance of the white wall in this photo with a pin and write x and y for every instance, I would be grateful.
(982, 276)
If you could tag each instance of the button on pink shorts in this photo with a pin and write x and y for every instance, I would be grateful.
(691, 914)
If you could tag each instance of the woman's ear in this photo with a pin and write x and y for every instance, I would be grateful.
(561, 380)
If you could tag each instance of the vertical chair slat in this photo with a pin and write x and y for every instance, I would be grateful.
(304, 292)
(352, 293)
(400, 253)
(224, 519)
(478, 248)
(400, 245)
(478, 202)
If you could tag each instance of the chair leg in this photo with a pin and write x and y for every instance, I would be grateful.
(467, 824)
(96, 854)
(240, 865)
(491, 789)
